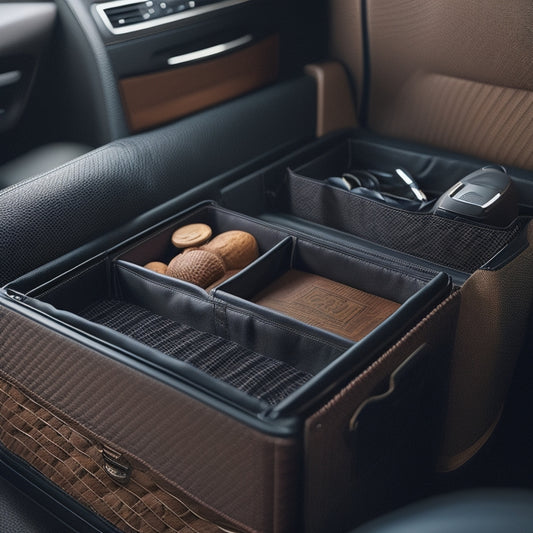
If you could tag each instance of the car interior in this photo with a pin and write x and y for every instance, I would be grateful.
(267, 267)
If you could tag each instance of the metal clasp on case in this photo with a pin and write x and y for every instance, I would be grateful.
(116, 466)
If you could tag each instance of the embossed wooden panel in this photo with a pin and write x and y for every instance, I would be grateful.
(326, 304)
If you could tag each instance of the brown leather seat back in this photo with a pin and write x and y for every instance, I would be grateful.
(453, 74)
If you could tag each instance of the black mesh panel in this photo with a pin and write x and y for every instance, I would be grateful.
(259, 376)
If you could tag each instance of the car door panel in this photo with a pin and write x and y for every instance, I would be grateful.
(25, 29)
(153, 99)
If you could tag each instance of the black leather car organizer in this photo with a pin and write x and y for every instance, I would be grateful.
(186, 409)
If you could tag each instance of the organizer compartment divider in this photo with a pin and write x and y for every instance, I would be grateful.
(325, 287)
(457, 244)
(298, 193)
(117, 292)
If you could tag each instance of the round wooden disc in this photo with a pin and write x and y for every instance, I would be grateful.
(156, 266)
(191, 235)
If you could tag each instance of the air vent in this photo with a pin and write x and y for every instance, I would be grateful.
(122, 16)
(126, 15)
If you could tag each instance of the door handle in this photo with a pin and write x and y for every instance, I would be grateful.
(210, 51)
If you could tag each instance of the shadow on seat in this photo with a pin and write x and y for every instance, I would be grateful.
(38, 161)
(476, 511)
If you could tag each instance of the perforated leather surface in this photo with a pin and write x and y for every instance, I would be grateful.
(50, 215)
(39, 160)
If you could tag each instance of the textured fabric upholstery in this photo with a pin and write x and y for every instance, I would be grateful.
(455, 74)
